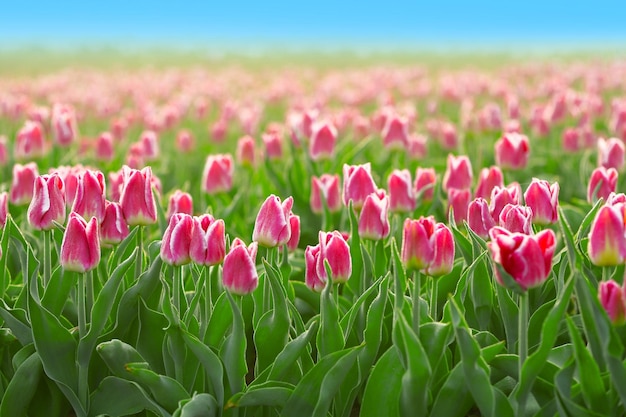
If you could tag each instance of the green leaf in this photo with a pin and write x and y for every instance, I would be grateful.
(399, 277)
(22, 387)
(456, 388)
(119, 397)
(233, 351)
(382, 391)
(481, 292)
(220, 321)
(271, 394)
(165, 390)
(286, 359)
(330, 337)
(200, 405)
(358, 278)
(116, 354)
(16, 320)
(211, 363)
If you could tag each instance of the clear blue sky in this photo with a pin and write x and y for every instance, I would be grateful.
(322, 23)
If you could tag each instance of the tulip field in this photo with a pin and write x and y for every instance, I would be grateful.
(400, 239)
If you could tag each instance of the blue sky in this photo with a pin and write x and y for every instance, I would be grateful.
(321, 24)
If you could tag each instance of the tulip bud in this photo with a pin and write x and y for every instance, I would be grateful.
(458, 173)
(501, 196)
(417, 249)
(23, 181)
(516, 218)
(543, 199)
(4, 152)
(425, 180)
(611, 153)
(246, 151)
(607, 245)
(273, 145)
(104, 148)
(443, 245)
(458, 201)
(272, 226)
(335, 250)
(401, 194)
(357, 184)
(527, 258)
(417, 146)
(208, 241)
(512, 151)
(48, 203)
(603, 182)
(322, 142)
(239, 274)
(325, 187)
(137, 197)
(479, 218)
(80, 249)
(64, 127)
(90, 195)
(489, 179)
(294, 223)
(177, 240)
(396, 132)
(613, 299)
(311, 277)
(218, 174)
(374, 220)
(180, 202)
(4, 208)
(184, 141)
(29, 142)
(113, 228)
(149, 145)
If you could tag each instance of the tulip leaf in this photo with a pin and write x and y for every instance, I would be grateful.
(481, 291)
(587, 220)
(119, 397)
(116, 354)
(330, 336)
(454, 387)
(233, 351)
(382, 391)
(399, 277)
(211, 362)
(166, 391)
(357, 281)
(271, 394)
(357, 308)
(16, 320)
(150, 336)
(22, 387)
(200, 405)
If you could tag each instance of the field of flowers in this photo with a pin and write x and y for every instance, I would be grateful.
(372, 240)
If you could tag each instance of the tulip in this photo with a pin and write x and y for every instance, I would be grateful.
(501, 196)
(180, 202)
(113, 228)
(417, 146)
(401, 194)
(29, 141)
(64, 127)
(4, 208)
(512, 151)
(48, 203)
(218, 174)
(246, 151)
(571, 140)
(4, 152)
(104, 148)
(417, 249)
(239, 274)
(527, 258)
(396, 133)
(137, 197)
(335, 250)
(543, 199)
(613, 299)
(294, 223)
(374, 220)
(443, 245)
(90, 195)
(488, 179)
(425, 180)
(149, 145)
(272, 227)
(603, 182)
(208, 241)
(116, 183)
(516, 218)
(458, 201)
(80, 249)
(322, 142)
(479, 218)
(184, 141)
(273, 145)
(607, 245)
(357, 184)
(611, 153)
(458, 173)
(311, 277)
(325, 188)
(23, 181)
(177, 240)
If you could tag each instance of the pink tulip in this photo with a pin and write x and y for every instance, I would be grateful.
(48, 203)
(458, 201)
(543, 199)
(458, 173)
(4, 152)
(208, 241)
(80, 249)
(273, 145)
(185, 141)
(64, 128)
(272, 227)
(90, 195)
(607, 245)
(527, 258)
(501, 196)
(357, 184)
(70, 175)
(479, 218)
(311, 277)
(239, 274)
(218, 174)
(571, 140)
(246, 151)
(294, 223)
(443, 245)
(323, 140)
(396, 132)
(401, 194)
(325, 188)
(418, 251)
(149, 145)
(425, 180)
(180, 202)
(449, 137)
(613, 298)
(113, 228)
(116, 183)
(137, 197)
(512, 151)
(177, 240)
(488, 179)
(611, 153)
(603, 182)
(4, 208)
(516, 218)
(104, 148)
(23, 181)
(417, 146)
(335, 250)
(374, 219)
(30, 141)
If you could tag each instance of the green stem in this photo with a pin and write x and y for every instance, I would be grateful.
(176, 288)
(433, 299)
(89, 295)
(208, 304)
(47, 255)
(522, 342)
(139, 264)
(83, 376)
(416, 302)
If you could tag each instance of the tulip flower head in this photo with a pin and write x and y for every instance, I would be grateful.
(374, 218)
(323, 140)
(425, 180)
(208, 240)
(607, 245)
(325, 188)
(335, 250)
(90, 195)
(479, 218)
(613, 298)
(113, 228)
(80, 249)
(418, 251)
(488, 179)
(48, 203)
(401, 193)
(512, 151)
(543, 198)
(611, 153)
(137, 197)
(311, 277)
(395, 133)
(23, 181)
(246, 151)
(239, 274)
(516, 218)
(294, 223)
(272, 227)
(218, 174)
(357, 184)
(458, 173)
(177, 238)
(602, 183)
(30, 141)
(458, 202)
(4, 208)
(180, 202)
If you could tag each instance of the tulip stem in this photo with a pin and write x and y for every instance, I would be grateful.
(433, 299)
(416, 302)
(208, 304)
(83, 376)
(89, 295)
(139, 264)
(47, 255)
(176, 284)
(522, 342)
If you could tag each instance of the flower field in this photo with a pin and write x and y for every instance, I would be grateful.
(314, 240)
